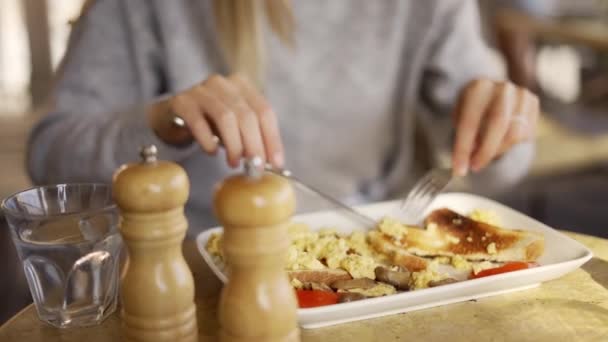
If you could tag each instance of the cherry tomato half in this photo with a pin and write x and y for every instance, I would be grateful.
(507, 267)
(314, 298)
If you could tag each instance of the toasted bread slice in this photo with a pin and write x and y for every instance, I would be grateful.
(324, 276)
(449, 233)
(396, 254)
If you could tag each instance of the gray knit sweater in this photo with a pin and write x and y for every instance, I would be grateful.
(347, 97)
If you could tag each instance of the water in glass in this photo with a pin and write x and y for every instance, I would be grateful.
(70, 257)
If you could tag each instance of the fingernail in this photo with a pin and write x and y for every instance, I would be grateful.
(462, 169)
(278, 159)
(475, 166)
(233, 163)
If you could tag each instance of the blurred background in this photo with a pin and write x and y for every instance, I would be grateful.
(557, 48)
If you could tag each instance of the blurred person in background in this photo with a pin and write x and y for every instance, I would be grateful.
(328, 89)
(518, 44)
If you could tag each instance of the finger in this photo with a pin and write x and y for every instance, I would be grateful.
(523, 124)
(189, 110)
(498, 119)
(249, 126)
(225, 123)
(267, 120)
(251, 134)
(474, 101)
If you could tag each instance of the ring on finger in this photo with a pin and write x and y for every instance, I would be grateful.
(178, 121)
(520, 119)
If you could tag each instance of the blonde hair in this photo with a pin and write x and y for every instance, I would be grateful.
(240, 25)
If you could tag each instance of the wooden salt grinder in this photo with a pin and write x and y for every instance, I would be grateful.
(257, 303)
(157, 289)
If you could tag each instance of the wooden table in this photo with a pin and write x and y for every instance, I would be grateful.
(572, 308)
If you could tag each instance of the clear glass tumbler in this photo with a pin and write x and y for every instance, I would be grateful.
(67, 239)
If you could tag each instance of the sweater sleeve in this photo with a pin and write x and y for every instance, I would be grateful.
(97, 119)
(458, 55)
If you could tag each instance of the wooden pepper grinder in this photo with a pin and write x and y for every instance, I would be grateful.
(157, 289)
(257, 303)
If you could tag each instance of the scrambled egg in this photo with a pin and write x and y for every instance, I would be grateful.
(326, 249)
(379, 290)
(485, 216)
(444, 260)
(332, 249)
(302, 260)
(316, 250)
(392, 228)
(491, 248)
(214, 245)
(421, 280)
(296, 283)
(359, 266)
(357, 241)
(460, 263)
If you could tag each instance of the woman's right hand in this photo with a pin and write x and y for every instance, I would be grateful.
(231, 109)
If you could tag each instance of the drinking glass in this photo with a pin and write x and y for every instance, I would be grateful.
(68, 242)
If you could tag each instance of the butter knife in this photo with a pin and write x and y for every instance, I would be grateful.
(255, 163)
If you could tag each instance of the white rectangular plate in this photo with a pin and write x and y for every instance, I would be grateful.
(562, 255)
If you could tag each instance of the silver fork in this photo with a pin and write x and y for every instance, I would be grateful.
(422, 194)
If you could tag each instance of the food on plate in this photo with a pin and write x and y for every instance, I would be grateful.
(315, 298)
(378, 290)
(485, 216)
(325, 276)
(506, 267)
(422, 278)
(357, 283)
(445, 281)
(326, 268)
(345, 297)
(448, 233)
(315, 286)
(399, 278)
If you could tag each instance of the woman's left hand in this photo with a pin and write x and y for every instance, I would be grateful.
(491, 117)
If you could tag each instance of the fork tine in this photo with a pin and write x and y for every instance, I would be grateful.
(422, 188)
(423, 193)
(417, 189)
(421, 198)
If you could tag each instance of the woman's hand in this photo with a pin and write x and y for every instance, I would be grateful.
(491, 117)
(228, 108)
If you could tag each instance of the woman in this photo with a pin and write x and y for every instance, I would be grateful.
(341, 81)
